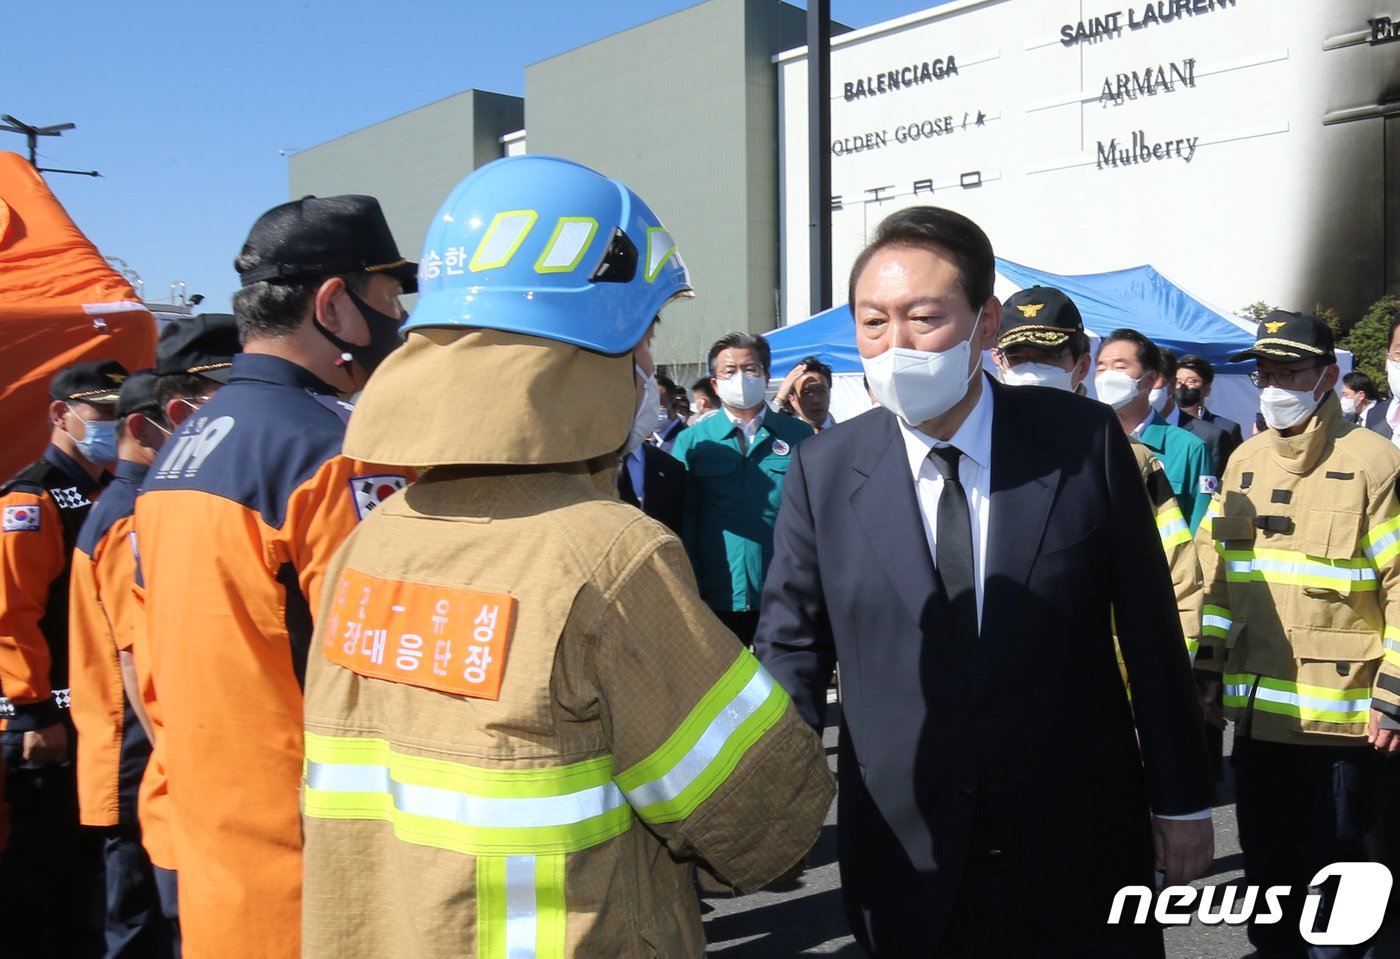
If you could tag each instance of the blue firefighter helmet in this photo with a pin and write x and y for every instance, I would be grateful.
(547, 247)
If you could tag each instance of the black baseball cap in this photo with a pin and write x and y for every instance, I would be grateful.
(1290, 337)
(138, 393)
(96, 382)
(326, 236)
(1038, 316)
(202, 345)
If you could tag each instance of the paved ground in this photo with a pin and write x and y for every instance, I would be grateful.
(806, 919)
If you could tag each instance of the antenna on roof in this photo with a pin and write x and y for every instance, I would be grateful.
(32, 134)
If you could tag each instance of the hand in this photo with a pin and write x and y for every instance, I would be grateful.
(1386, 741)
(47, 745)
(1185, 848)
(1214, 713)
(786, 386)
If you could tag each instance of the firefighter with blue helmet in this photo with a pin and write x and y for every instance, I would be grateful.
(523, 726)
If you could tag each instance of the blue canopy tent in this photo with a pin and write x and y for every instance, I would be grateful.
(1139, 297)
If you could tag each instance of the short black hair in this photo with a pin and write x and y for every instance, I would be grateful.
(1147, 353)
(1168, 364)
(932, 227)
(815, 365)
(268, 310)
(188, 385)
(1359, 382)
(702, 387)
(742, 341)
(1198, 365)
(664, 384)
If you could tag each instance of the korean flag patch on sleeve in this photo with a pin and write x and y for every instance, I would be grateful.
(368, 491)
(1210, 485)
(22, 519)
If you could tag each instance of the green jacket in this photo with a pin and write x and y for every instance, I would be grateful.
(731, 503)
(1186, 459)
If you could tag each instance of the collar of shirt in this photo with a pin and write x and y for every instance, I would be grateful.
(635, 465)
(265, 368)
(749, 429)
(973, 437)
(1151, 415)
(69, 467)
(130, 471)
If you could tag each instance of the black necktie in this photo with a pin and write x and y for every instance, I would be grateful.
(953, 551)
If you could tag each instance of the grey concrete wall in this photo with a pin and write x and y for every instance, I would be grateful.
(684, 110)
(412, 161)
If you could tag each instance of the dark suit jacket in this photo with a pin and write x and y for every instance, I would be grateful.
(1219, 442)
(663, 487)
(1375, 419)
(1033, 739)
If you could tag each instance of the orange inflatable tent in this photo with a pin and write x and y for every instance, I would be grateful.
(60, 303)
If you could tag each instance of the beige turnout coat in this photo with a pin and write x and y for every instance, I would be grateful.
(631, 737)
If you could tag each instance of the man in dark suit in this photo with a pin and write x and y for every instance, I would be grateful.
(1194, 379)
(654, 482)
(1219, 441)
(959, 550)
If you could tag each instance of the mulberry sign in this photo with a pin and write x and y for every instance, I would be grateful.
(1142, 150)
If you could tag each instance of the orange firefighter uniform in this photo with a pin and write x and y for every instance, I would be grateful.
(237, 521)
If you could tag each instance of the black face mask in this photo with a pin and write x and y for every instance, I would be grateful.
(384, 337)
(1188, 396)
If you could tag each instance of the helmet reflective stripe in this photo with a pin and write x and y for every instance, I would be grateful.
(503, 237)
(572, 235)
(555, 250)
(660, 248)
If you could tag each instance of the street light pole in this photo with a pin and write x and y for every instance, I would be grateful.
(819, 152)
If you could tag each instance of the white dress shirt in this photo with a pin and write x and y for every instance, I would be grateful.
(749, 429)
(974, 439)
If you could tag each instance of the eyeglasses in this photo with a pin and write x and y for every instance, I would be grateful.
(1283, 379)
(752, 369)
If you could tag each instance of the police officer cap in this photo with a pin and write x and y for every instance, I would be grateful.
(138, 394)
(1039, 316)
(96, 382)
(203, 345)
(1289, 337)
(325, 236)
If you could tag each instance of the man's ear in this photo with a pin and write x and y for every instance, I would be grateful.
(1080, 371)
(991, 323)
(57, 411)
(329, 306)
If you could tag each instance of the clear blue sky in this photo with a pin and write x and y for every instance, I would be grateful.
(183, 107)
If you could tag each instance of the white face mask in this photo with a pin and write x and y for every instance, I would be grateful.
(741, 391)
(917, 385)
(1037, 374)
(1158, 397)
(1392, 376)
(1349, 405)
(647, 417)
(1116, 388)
(1284, 409)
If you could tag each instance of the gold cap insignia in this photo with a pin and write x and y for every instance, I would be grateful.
(1030, 310)
(1273, 328)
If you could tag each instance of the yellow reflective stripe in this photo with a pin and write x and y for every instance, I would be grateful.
(687, 768)
(520, 907)
(1207, 525)
(1382, 543)
(1215, 621)
(1299, 700)
(567, 244)
(468, 809)
(503, 237)
(1172, 528)
(1391, 642)
(1292, 568)
(1193, 647)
